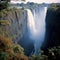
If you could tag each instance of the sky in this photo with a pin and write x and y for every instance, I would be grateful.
(46, 1)
(41, 1)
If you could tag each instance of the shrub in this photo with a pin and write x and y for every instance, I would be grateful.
(4, 4)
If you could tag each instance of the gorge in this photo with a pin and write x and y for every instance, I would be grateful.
(35, 28)
(40, 29)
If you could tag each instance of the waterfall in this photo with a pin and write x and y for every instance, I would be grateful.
(31, 24)
(36, 26)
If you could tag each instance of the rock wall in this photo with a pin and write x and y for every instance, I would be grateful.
(13, 23)
(52, 37)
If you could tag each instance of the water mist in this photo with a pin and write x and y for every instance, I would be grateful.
(36, 26)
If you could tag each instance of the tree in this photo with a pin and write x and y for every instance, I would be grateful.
(22, 0)
(4, 4)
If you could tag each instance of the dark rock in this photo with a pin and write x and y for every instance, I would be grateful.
(52, 37)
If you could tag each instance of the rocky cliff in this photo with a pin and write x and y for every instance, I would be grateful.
(52, 37)
(13, 23)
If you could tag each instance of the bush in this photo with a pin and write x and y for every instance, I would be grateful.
(53, 54)
(4, 4)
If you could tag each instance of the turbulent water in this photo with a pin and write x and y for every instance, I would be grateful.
(36, 26)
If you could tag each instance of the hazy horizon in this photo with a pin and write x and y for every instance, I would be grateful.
(36, 1)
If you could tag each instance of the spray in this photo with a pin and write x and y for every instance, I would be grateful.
(36, 26)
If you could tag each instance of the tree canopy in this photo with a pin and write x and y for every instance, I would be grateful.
(4, 4)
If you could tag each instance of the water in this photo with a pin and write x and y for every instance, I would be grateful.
(31, 24)
(36, 26)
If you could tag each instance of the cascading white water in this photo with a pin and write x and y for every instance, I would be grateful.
(31, 24)
(36, 26)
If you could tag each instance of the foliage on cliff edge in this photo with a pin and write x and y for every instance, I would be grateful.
(10, 50)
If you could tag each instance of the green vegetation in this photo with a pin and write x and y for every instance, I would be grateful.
(22, 0)
(4, 4)
(7, 16)
(4, 22)
(18, 49)
(10, 50)
(13, 51)
(52, 54)
(3, 25)
(54, 6)
(3, 56)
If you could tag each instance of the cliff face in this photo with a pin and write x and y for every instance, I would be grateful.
(13, 23)
(52, 37)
